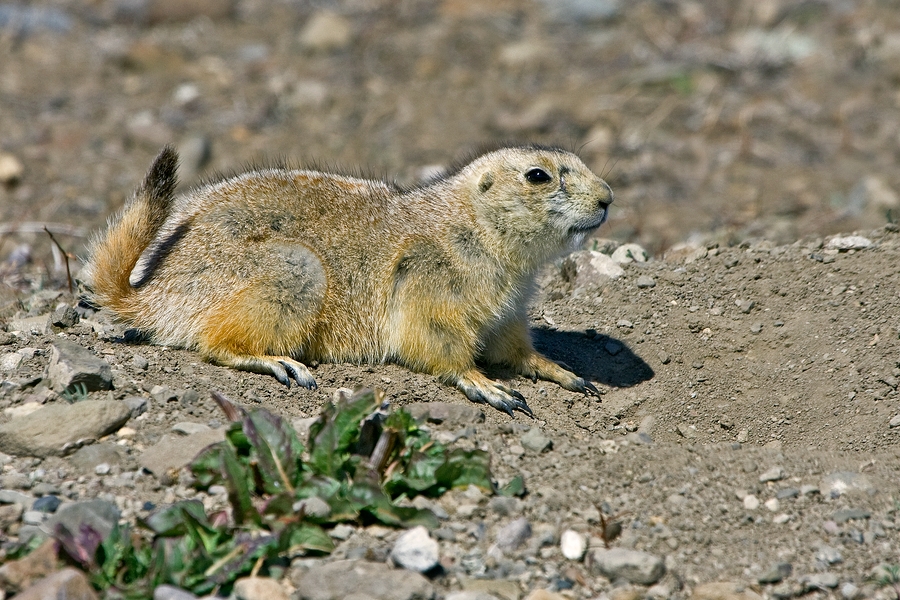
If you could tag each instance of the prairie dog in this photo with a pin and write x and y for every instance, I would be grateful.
(275, 266)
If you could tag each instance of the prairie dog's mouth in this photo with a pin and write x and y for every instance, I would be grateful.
(587, 225)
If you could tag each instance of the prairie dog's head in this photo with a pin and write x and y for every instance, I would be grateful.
(540, 201)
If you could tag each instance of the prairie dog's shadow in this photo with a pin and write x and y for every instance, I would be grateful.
(591, 358)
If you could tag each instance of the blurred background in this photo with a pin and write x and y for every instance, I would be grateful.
(714, 121)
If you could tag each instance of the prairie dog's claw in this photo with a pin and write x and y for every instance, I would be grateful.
(299, 373)
(484, 391)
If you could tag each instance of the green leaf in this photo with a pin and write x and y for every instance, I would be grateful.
(207, 466)
(170, 521)
(464, 468)
(333, 435)
(366, 494)
(306, 537)
(276, 449)
(515, 487)
(237, 477)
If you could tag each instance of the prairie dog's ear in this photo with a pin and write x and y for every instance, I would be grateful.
(486, 181)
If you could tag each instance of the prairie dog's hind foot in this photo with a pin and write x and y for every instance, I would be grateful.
(284, 368)
(537, 366)
(482, 390)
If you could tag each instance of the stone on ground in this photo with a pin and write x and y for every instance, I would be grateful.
(59, 428)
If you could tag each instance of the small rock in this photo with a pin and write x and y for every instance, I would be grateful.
(325, 32)
(843, 482)
(514, 534)
(819, 581)
(751, 502)
(446, 413)
(100, 515)
(894, 422)
(136, 404)
(535, 440)
(46, 504)
(745, 306)
(64, 317)
(772, 504)
(776, 573)
(544, 595)
(12, 497)
(773, 474)
(849, 242)
(32, 517)
(342, 532)
(572, 544)
(57, 428)
(163, 394)
(634, 566)
(39, 325)
(724, 590)
(259, 588)
(612, 347)
(624, 324)
(188, 428)
(68, 583)
(11, 169)
(645, 281)
(505, 505)
(88, 458)
(71, 364)
(314, 507)
(171, 453)
(849, 591)
(19, 574)
(829, 555)
(628, 253)
(339, 579)
(140, 363)
(9, 514)
(10, 361)
(757, 327)
(787, 493)
(686, 431)
(849, 514)
(416, 550)
(587, 271)
(499, 588)
(170, 592)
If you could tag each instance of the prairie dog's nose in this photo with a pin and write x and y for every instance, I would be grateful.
(606, 195)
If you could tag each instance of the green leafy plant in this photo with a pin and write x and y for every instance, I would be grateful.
(889, 576)
(75, 393)
(362, 462)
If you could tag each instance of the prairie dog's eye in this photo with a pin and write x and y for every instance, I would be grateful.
(537, 176)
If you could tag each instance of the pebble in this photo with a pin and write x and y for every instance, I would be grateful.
(98, 514)
(172, 452)
(773, 474)
(632, 565)
(339, 579)
(786, 493)
(629, 253)
(535, 440)
(140, 363)
(776, 573)
(64, 317)
(514, 534)
(313, 506)
(751, 502)
(46, 504)
(829, 555)
(588, 271)
(11, 168)
(498, 588)
(72, 364)
(843, 482)
(259, 588)
(850, 514)
(645, 281)
(416, 550)
(772, 504)
(894, 422)
(162, 394)
(33, 517)
(819, 581)
(57, 428)
(326, 31)
(757, 327)
(572, 544)
(68, 583)
(849, 591)
(10, 361)
(446, 413)
(136, 404)
(189, 428)
(849, 242)
(724, 590)
(612, 347)
(170, 592)
(342, 531)
(745, 306)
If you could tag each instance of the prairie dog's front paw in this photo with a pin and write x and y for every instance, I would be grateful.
(480, 389)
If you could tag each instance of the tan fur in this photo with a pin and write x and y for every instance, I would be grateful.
(275, 266)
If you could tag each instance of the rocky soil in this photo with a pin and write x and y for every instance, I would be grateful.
(748, 437)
